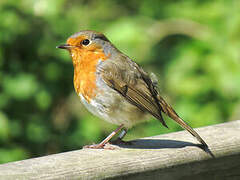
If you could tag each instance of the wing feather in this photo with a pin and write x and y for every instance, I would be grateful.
(133, 87)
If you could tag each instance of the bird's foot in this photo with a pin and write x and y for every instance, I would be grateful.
(119, 141)
(100, 146)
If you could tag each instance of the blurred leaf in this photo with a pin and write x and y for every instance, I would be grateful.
(43, 99)
(21, 87)
(37, 132)
(12, 154)
(4, 127)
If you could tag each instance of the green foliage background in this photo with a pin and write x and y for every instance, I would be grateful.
(192, 46)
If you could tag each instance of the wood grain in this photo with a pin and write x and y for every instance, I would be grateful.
(169, 156)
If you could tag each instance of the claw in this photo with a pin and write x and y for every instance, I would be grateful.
(100, 146)
(94, 146)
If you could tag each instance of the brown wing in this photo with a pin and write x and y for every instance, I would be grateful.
(131, 85)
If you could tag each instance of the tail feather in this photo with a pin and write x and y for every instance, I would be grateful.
(168, 110)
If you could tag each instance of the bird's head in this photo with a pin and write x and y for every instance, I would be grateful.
(86, 41)
(87, 48)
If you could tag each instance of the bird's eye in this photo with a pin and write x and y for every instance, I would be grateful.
(85, 42)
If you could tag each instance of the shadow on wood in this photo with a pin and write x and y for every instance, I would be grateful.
(158, 144)
(162, 144)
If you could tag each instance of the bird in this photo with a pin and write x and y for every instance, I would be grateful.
(114, 87)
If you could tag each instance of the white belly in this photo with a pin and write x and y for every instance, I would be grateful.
(113, 107)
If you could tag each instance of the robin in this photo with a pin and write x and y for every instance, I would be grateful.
(114, 87)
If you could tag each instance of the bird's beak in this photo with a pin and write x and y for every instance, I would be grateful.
(64, 46)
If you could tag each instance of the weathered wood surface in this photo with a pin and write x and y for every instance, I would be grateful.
(169, 156)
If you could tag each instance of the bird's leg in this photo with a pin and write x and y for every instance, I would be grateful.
(106, 140)
(122, 133)
(119, 140)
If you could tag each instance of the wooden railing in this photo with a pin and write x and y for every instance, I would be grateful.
(168, 156)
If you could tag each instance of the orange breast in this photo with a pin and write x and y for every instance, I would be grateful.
(85, 63)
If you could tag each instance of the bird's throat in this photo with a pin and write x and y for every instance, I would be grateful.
(85, 65)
